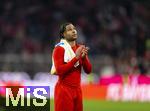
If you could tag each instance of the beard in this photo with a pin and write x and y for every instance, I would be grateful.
(72, 38)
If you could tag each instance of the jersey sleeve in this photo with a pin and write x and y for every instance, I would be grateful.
(87, 65)
(62, 68)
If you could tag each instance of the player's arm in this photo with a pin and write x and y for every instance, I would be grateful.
(87, 67)
(61, 67)
(85, 60)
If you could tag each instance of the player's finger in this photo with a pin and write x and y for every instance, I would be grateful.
(86, 48)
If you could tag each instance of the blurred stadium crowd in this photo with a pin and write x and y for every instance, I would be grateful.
(117, 33)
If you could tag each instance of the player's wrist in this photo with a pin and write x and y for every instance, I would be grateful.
(84, 58)
(77, 57)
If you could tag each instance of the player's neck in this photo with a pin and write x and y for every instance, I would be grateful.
(72, 43)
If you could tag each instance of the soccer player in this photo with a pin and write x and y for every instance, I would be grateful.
(68, 59)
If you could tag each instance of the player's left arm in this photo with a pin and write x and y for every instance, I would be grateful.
(87, 67)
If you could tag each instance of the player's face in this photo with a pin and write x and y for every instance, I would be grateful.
(70, 33)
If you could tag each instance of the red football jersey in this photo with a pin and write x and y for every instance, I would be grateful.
(68, 74)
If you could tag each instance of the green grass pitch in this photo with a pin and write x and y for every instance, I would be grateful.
(98, 105)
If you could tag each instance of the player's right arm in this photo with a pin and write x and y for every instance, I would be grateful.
(62, 67)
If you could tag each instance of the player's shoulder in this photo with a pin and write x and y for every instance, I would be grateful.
(58, 48)
(59, 44)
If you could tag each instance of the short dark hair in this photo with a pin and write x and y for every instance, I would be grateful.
(62, 29)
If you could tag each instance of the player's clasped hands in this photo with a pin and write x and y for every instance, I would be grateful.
(82, 51)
